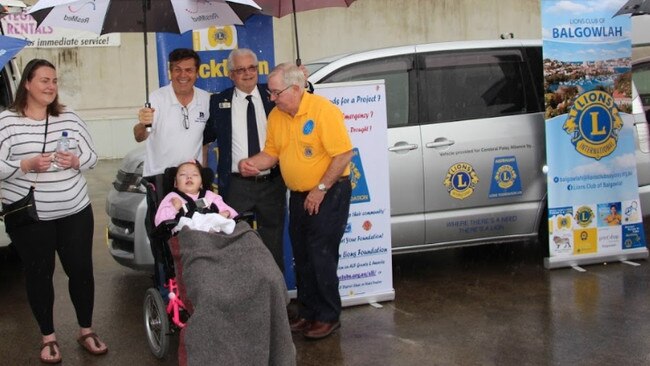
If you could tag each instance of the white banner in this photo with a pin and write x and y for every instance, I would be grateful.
(25, 27)
(365, 267)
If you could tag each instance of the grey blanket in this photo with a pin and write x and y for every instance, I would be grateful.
(239, 298)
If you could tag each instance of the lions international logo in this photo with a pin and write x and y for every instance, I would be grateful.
(627, 243)
(505, 176)
(564, 222)
(214, 39)
(584, 216)
(461, 179)
(594, 124)
(222, 36)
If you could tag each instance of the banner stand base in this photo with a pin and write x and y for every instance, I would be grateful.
(578, 268)
(633, 264)
(573, 261)
(366, 299)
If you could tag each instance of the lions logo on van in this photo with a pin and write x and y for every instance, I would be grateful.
(461, 179)
(584, 216)
(505, 176)
(593, 124)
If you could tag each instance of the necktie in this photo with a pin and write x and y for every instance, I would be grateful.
(251, 123)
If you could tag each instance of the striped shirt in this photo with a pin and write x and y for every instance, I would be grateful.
(58, 193)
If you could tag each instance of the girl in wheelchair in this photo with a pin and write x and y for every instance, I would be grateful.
(224, 291)
(189, 196)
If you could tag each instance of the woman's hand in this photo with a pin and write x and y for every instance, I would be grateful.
(38, 163)
(66, 159)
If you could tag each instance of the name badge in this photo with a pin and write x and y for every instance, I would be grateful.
(224, 105)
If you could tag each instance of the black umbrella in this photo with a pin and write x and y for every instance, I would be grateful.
(172, 16)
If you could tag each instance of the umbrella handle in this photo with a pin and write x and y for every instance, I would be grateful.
(148, 128)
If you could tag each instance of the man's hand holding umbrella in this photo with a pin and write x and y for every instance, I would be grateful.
(145, 120)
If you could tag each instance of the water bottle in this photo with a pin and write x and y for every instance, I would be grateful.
(62, 145)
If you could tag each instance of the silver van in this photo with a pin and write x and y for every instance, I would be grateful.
(466, 139)
(466, 145)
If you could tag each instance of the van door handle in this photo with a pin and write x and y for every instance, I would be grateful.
(402, 146)
(440, 143)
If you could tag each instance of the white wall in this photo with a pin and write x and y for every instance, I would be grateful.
(370, 24)
(106, 85)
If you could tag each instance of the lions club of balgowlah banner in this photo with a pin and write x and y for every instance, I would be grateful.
(593, 200)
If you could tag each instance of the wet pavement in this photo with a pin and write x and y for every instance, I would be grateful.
(485, 305)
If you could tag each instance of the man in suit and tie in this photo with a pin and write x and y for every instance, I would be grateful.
(238, 123)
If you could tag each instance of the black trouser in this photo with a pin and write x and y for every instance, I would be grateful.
(72, 238)
(267, 199)
(315, 240)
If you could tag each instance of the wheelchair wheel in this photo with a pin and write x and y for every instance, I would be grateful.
(156, 323)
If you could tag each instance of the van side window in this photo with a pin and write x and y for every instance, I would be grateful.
(398, 74)
(535, 93)
(471, 84)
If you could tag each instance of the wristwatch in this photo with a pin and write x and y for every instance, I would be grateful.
(322, 187)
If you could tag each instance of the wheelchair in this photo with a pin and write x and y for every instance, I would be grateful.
(165, 312)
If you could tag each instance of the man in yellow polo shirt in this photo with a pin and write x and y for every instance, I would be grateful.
(306, 134)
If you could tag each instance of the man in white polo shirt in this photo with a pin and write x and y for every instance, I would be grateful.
(173, 125)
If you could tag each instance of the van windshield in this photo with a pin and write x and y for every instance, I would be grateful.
(312, 68)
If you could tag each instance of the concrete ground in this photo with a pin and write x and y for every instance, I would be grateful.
(489, 305)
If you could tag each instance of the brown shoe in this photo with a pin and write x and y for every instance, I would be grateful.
(319, 330)
(299, 325)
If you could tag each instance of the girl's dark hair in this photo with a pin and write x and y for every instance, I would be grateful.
(20, 103)
(190, 162)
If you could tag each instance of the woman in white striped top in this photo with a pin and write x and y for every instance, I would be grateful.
(28, 136)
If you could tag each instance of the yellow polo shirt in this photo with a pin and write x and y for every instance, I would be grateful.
(306, 143)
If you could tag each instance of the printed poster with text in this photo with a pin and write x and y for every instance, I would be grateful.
(23, 26)
(365, 269)
(593, 200)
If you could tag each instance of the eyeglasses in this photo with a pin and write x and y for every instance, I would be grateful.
(241, 70)
(186, 118)
(276, 93)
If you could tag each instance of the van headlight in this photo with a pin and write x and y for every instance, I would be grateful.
(128, 182)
